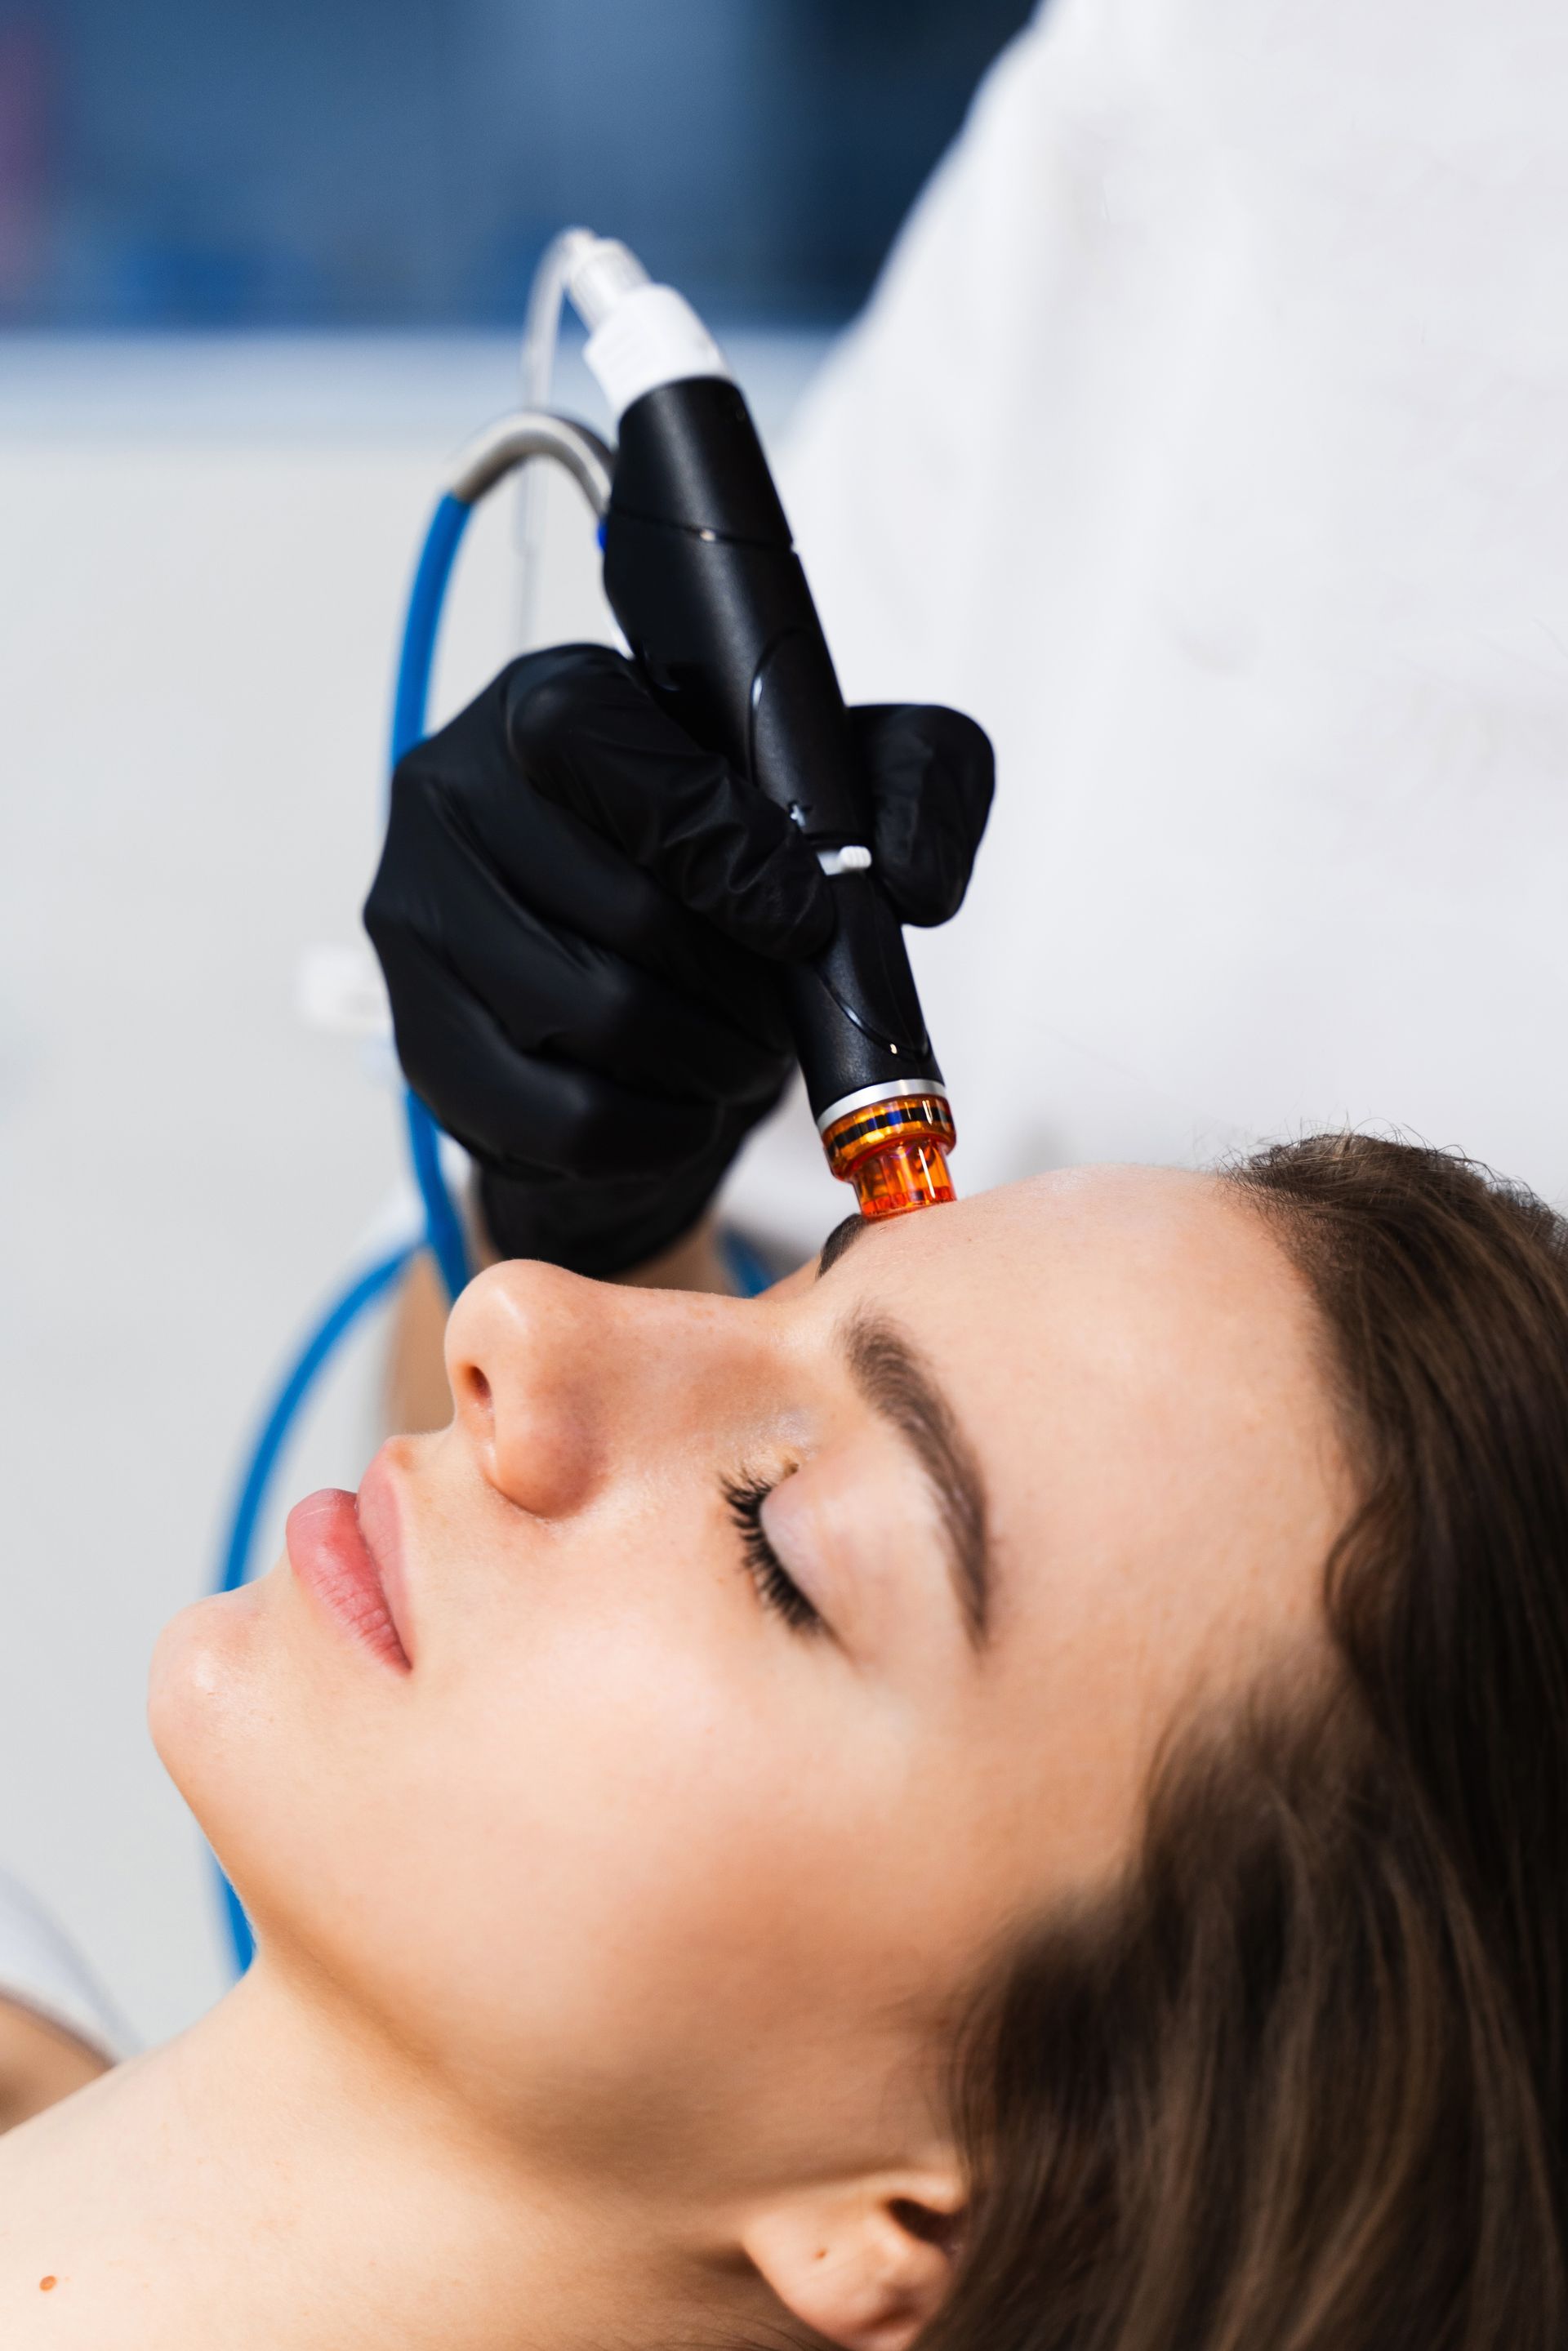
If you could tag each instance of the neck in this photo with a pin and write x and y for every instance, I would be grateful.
(275, 2180)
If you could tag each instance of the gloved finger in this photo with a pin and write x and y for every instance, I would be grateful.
(518, 1112)
(574, 1001)
(932, 775)
(601, 1229)
(589, 737)
(460, 792)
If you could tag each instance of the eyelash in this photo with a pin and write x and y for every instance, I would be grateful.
(777, 1590)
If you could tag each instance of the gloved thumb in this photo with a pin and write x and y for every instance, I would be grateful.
(932, 774)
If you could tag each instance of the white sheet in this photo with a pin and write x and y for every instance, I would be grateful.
(42, 1971)
(1207, 439)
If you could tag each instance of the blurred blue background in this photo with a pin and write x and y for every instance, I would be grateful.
(385, 163)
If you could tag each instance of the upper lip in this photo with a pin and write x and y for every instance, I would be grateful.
(381, 1529)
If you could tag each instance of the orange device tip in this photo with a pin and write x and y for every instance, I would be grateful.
(894, 1150)
(910, 1175)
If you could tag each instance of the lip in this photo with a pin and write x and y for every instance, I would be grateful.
(346, 1553)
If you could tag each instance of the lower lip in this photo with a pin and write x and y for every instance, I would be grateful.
(331, 1559)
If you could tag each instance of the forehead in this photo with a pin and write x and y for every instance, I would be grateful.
(1121, 1266)
(1136, 1363)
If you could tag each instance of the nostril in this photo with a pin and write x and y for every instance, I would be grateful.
(476, 1388)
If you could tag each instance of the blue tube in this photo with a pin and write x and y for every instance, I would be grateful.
(443, 1226)
(334, 1324)
(242, 1942)
(425, 599)
(750, 1273)
(256, 1486)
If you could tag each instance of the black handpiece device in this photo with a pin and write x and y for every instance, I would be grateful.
(701, 572)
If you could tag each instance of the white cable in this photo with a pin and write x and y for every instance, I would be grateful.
(541, 338)
(640, 336)
(599, 273)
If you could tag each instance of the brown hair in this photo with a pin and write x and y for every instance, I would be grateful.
(1299, 2086)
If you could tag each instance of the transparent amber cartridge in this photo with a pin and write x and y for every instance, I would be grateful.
(892, 1147)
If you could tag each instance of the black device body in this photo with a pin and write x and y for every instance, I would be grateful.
(701, 574)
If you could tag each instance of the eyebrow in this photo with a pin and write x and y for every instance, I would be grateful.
(842, 1238)
(897, 1384)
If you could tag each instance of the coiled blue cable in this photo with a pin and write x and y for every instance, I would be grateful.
(443, 1226)
(423, 622)
(331, 1327)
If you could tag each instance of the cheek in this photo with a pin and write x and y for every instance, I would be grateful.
(607, 1865)
(639, 1858)
(619, 1832)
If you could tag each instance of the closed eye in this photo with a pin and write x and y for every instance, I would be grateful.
(776, 1588)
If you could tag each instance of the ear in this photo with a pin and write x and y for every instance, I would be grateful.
(864, 2263)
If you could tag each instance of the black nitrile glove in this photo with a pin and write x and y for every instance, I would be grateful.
(580, 916)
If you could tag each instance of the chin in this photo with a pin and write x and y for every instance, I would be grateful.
(231, 1718)
(202, 1693)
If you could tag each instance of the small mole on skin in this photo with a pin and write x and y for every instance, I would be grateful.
(48, 2285)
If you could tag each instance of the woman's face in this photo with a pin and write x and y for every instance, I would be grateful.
(683, 1833)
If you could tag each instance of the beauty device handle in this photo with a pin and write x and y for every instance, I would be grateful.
(701, 572)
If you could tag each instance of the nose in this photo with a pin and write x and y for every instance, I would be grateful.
(560, 1382)
(527, 1352)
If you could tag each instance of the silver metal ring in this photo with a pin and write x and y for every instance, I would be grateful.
(535, 433)
(868, 1094)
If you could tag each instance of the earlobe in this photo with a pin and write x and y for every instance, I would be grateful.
(865, 2263)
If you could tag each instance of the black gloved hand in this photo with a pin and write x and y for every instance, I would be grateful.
(580, 916)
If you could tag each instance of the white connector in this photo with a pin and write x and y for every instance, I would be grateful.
(640, 334)
(599, 273)
(854, 857)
